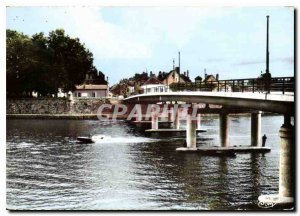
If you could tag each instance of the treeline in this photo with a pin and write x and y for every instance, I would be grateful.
(43, 64)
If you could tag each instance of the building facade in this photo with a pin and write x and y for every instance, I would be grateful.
(91, 91)
(94, 86)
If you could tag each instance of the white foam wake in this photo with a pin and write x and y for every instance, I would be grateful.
(109, 139)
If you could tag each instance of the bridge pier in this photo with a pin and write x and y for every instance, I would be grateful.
(285, 197)
(191, 135)
(256, 129)
(191, 132)
(224, 129)
(198, 121)
(176, 120)
(171, 115)
(154, 120)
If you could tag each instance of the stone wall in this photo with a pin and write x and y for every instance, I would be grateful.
(56, 106)
(87, 106)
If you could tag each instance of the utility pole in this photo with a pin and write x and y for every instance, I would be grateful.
(267, 76)
(267, 51)
(179, 67)
(179, 61)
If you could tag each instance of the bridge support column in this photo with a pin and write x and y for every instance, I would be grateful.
(224, 130)
(171, 116)
(170, 113)
(198, 121)
(154, 120)
(191, 125)
(256, 129)
(176, 120)
(286, 193)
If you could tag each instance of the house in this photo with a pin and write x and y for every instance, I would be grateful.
(119, 89)
(94, 85)
(131, 87)
(198, 79)
(153, 85)
(214, 84)
(90, 90)
(210, 78)
(174, 76)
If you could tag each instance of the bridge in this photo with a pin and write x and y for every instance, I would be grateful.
(276, 103)
(253, 95)
(254, 100)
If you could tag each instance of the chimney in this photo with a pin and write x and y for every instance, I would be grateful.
(184, 73)
(187, 73)
(177, 69)
(217, 77)
(205, 74)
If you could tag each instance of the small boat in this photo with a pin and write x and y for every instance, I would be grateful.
(100, 138)
(96, 138)
(85, 140)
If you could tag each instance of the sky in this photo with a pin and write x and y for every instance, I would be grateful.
(230, 41)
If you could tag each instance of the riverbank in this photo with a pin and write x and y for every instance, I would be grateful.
(57, 108)
(60, 116)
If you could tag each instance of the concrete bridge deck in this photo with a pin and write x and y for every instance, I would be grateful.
(271, 102)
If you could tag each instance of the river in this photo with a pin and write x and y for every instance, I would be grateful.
(48, 170)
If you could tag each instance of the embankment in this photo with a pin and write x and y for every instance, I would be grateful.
(57, 108)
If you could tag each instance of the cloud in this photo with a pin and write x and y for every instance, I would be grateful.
(105, 40)
(289, 60)
(211, 60)
(250, 62)
(140, 30)
(172, 25)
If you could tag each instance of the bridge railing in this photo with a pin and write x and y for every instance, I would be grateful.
(277, 84)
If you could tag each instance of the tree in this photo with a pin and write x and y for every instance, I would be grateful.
(70, 60)
(19, 62)
(44, 64)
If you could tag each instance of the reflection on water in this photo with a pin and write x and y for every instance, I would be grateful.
(46, 169)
